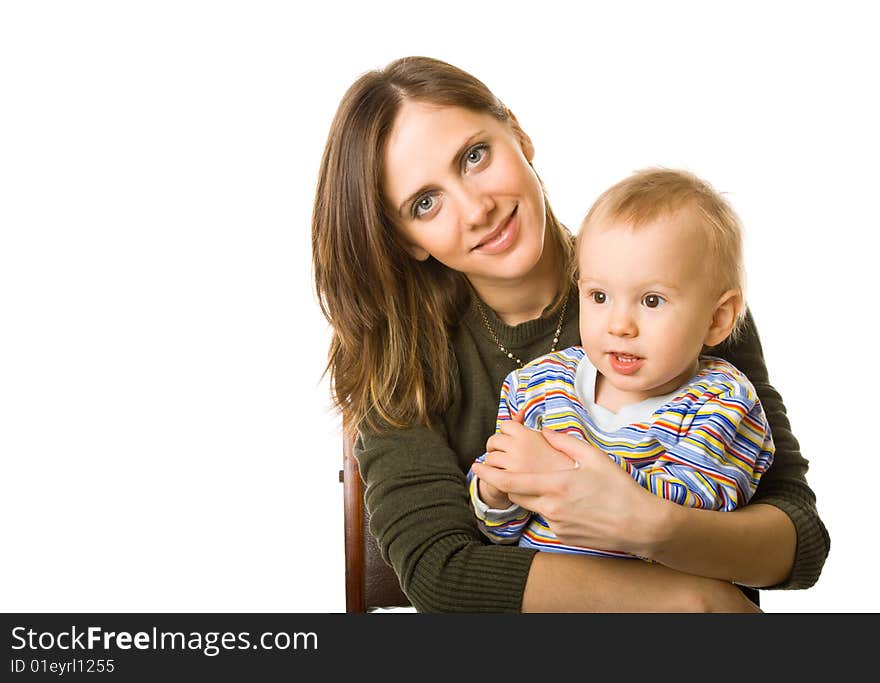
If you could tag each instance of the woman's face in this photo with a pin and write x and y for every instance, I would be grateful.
(461, 189)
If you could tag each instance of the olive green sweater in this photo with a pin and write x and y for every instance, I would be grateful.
(415, 477)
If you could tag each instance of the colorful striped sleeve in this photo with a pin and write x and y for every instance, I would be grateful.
(500, 526)
(717, 463)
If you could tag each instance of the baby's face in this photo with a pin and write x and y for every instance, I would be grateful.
(647, 301)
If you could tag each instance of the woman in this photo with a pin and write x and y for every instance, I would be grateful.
(440, 266)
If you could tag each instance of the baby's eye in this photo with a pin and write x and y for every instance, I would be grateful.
(653, 300)
(475, 156)
(599, 297)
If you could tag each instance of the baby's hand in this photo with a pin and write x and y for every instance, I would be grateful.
(517, 448)
(492, 496)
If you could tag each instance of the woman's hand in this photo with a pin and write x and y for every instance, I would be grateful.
(595, 504)
(517, 448)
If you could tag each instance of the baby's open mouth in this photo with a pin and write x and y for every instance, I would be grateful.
(625, 363)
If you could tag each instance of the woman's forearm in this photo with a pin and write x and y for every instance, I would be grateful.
(560, 582)
(753, 546)
(599, 506)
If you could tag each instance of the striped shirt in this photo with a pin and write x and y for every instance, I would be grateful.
(705, 445)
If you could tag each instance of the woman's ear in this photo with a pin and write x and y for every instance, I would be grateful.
(403, 241)
(525, 142)
(724, 317)
(416, 251)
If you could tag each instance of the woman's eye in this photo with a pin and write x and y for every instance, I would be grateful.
(599, 297)
(423, 206)
(475, 156)
(653, 300)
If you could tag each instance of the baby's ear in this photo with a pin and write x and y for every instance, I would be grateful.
(727, 310)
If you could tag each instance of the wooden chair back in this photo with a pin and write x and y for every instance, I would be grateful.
(369, 581)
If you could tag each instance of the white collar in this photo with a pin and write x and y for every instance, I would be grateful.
(585, 388)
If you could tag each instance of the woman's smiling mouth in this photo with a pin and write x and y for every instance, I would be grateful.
(501, 237)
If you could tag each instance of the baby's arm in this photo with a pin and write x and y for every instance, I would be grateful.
(718, 462)
(498, 519)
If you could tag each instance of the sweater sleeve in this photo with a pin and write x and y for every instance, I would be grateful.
(421, 517)
(784, 485)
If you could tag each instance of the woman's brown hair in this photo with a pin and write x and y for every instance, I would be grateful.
(390, 359)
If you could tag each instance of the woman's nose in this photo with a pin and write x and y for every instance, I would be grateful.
(476, 205)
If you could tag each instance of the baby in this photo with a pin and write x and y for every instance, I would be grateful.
(659, 260)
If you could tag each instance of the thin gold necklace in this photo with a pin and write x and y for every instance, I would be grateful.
(498, 343)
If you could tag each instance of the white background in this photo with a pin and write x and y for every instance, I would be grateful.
(166, 437)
